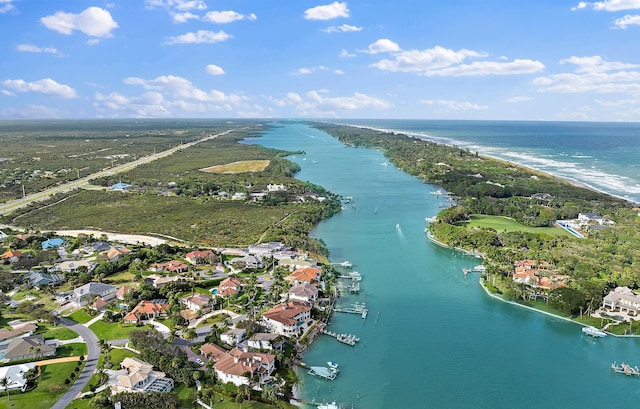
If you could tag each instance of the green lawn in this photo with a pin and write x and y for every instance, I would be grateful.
(80, 316)
(118, 355)
(50, 388)
(110, 332)
(61, 333)
(74, 349)
(500, 224)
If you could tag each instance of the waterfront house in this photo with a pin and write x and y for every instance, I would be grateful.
(304, 292)
(28, 348)
(15, 376)
(239, 366)
(622, 299)
(146, 310)
(288, 319)
(200, 257)
(304, 275)
(265, 340)
(141, 377)
(233, 336)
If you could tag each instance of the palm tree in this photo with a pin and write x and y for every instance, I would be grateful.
(4, 382)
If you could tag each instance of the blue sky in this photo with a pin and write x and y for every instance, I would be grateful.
(423, 59)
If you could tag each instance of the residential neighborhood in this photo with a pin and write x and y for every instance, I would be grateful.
(234, 315)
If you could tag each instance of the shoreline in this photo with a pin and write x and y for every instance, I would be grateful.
(571, 181)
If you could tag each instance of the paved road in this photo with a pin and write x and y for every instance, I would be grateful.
(8, 207)
(89, 368)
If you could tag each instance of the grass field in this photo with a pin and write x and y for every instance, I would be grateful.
(110, 332)
(501, 224)
(239, 167)
(80, 316)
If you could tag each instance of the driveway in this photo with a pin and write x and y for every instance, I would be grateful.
(93, 353)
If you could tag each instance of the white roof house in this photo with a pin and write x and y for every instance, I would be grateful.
(15, 376)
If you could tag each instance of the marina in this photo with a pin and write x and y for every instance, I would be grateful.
(625, 369)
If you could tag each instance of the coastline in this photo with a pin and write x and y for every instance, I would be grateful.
(440, 140)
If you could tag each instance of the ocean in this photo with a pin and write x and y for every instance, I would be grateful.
(433, 338)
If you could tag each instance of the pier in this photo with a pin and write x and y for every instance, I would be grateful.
(353, 275)
(355, 308)
(345, 264)
(625, 369)
(348, 339)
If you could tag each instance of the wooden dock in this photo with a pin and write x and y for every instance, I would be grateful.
(356, 308)
(625, 369)
(348, 339)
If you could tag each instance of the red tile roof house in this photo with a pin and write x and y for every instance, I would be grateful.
(237, 363)
(289, 319)
(229, 286)
(200, 257)
(122, 291)
(146, 310)
(115, 252)
(304, 275)
(212, 351)
(173, 266)
(11, 256)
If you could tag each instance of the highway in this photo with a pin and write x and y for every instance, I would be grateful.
(8, 207)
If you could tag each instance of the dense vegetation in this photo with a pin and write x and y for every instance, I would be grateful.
(172, 197)
(606, 258)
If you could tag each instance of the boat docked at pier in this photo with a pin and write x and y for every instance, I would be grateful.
(594, 332)
(625, 369)
(329, 373)
(348, 339)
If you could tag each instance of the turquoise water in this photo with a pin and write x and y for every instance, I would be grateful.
(433, 338)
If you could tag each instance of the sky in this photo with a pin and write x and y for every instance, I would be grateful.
(408, 59)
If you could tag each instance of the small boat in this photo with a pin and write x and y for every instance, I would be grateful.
(332, 364)
(594, 332)
(331, 405)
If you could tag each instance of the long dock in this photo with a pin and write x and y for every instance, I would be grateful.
(348, 339)
(355, 308)
(625, 369)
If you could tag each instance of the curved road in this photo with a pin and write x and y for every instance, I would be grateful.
(93, 353)
(10, 206)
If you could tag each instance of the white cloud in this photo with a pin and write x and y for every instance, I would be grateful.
(346, 54)
(201, 36)
(327, 12)
(45, 86)
(627, 20)
(213, 69)
(517, 99)
(30, 48)
(182, 89)
(177, 4)
(593, 74)
(383, 45)
(94, 22)
(229, 16)
(314, 103)
(310, 70)
(345, 28)
(6, 6)
(450, 105)
(440, 61)
(338, 72)
(184, 17)
(609, 5)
